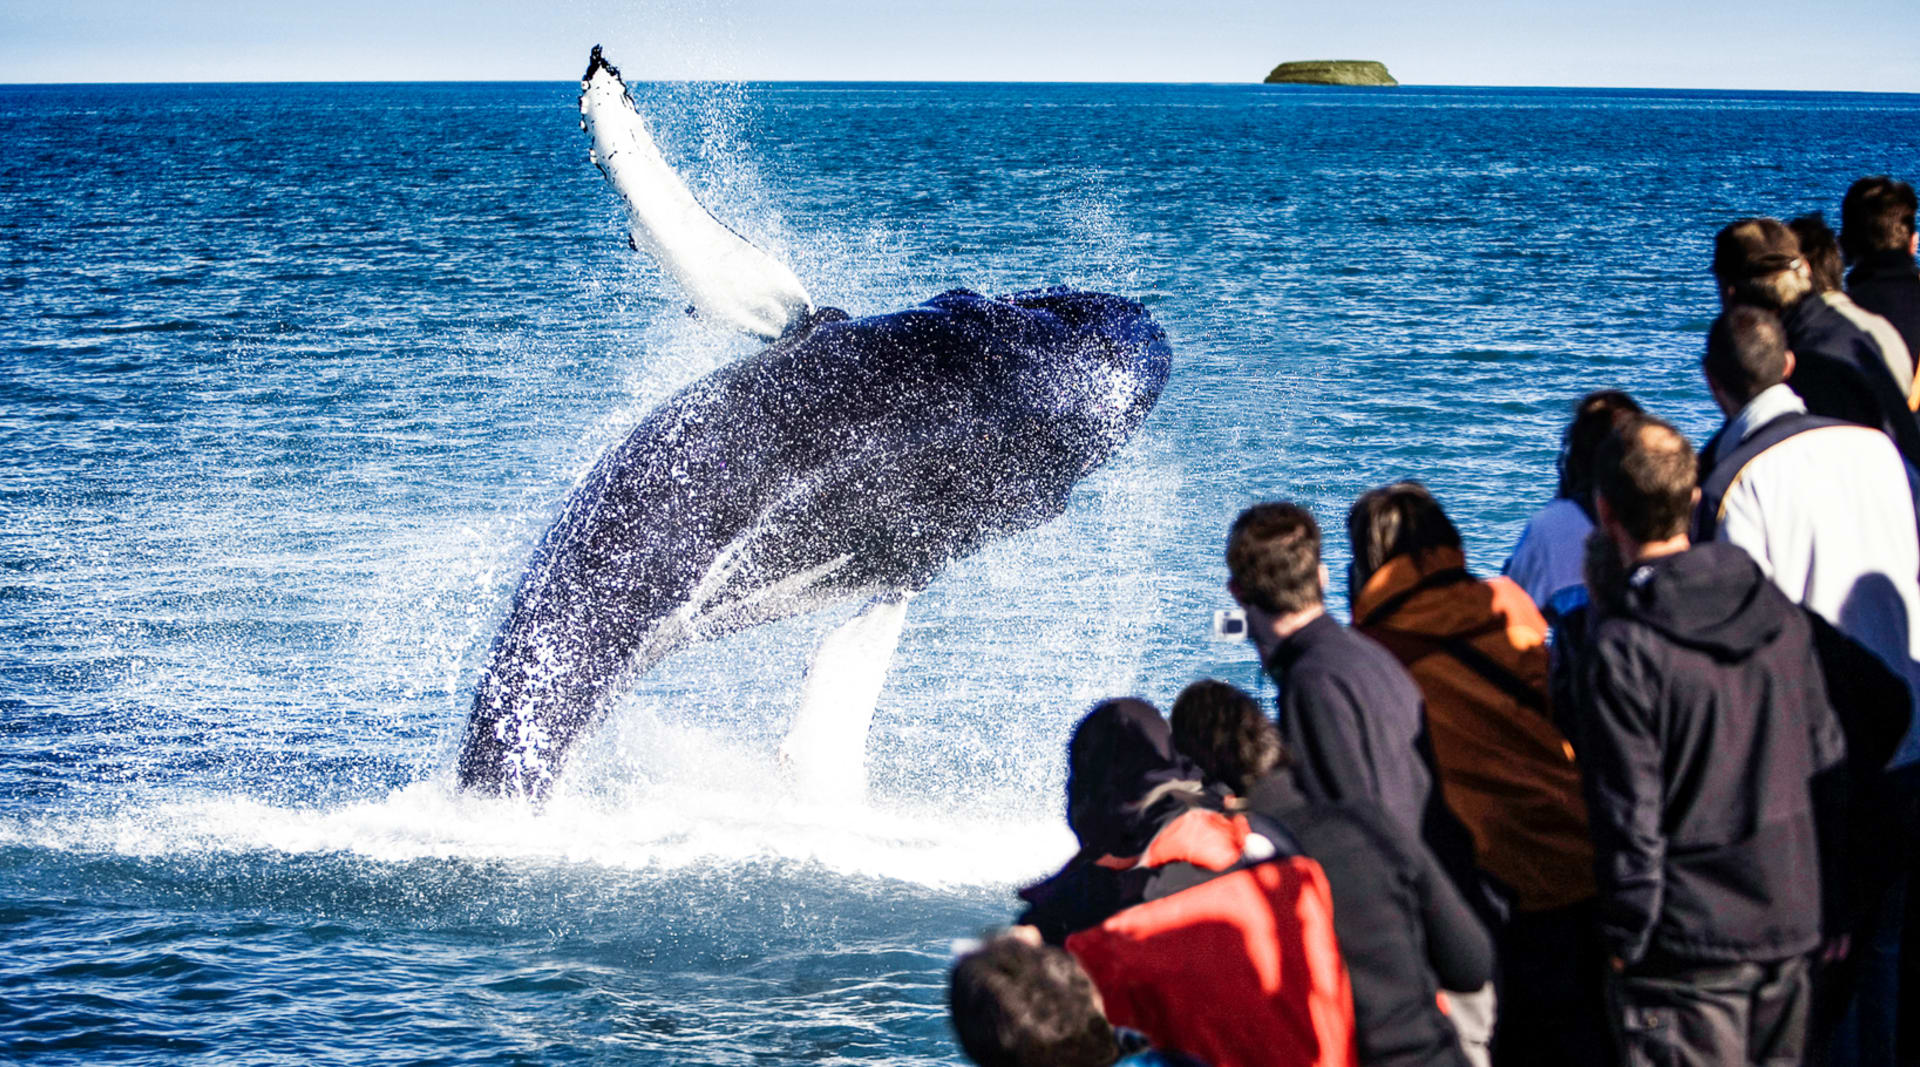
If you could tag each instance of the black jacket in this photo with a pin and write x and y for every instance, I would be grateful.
(1839, 372)
(1888, 284)
(1404, 930)
(1705, 727)
(1355, 726)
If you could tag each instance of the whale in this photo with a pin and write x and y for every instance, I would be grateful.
(851, 459)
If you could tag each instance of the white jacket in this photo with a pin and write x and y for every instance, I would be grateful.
(1829, 516)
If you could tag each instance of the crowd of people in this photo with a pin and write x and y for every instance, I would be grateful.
(1649, 797)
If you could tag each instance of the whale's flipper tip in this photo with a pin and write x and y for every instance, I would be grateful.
(596, 63)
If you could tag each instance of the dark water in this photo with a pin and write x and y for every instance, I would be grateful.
(292, 376)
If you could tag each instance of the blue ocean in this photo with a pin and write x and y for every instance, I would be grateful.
(292, 378)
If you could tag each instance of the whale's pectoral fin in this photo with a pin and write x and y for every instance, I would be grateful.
(825, 751)
(729, 280)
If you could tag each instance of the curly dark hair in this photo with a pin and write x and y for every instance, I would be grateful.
(1222, 729)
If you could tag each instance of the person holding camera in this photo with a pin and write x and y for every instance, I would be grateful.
(1349, 713)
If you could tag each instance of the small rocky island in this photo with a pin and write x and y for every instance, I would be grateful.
(1331, 72)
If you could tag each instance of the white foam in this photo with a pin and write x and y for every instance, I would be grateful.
(665, 829)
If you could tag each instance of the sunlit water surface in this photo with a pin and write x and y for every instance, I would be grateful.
(292, 377)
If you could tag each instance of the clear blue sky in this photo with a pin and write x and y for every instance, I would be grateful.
(1750, 44)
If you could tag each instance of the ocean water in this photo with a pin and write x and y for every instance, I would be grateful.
(292, 377)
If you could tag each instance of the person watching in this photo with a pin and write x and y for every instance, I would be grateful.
(1823, 506)
(1546, 561)
(1477, 649)
(1349, 713)
(1825, 269)
(1877, 234)
(1838, 370)
(1404, 930)
(1705, 727)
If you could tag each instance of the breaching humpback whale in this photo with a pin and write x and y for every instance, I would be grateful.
(850, 458)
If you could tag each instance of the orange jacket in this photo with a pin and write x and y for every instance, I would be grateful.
(1242, 970)
(1478, 651)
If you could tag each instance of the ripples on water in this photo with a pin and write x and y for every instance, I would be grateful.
(294, 375)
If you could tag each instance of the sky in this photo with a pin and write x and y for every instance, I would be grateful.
(1862, 45)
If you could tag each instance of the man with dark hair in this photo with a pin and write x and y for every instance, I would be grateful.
(1839, 371)
(1017, 1003)
(1404, 930)
(1824, 507)
(1348, 712)
(1705, 727)
(1877, 234)
(1822, 250)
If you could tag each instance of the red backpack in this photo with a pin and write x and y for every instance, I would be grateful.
(1242, 970)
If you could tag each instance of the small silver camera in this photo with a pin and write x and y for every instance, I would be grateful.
(1230, 624)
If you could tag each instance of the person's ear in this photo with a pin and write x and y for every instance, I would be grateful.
(1326, 580)
(1694, 502)
(1913, 243)
(1787, 376)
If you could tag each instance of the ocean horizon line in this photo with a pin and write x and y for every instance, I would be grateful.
(1290, 88)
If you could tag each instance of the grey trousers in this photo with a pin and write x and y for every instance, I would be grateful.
(1734, 1015)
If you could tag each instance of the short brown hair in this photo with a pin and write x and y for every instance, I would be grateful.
(1020, 1005)
(1222, 730)
(1646, 473)
(1877, 216)
(1273, 556)
(1396, 520)
(1746, 352)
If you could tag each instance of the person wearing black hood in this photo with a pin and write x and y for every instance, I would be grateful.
(1712, 763)
(1211, 938)
(1125, 783)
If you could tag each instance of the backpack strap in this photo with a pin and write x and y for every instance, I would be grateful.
(1719, 480)
(1436, 580)
(1408, 646)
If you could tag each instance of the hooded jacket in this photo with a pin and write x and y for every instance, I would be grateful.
(1707, 724)
(1478, 652)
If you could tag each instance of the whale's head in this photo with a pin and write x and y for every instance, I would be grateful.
(1092, 363)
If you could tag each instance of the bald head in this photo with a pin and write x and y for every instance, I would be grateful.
(1645, 474)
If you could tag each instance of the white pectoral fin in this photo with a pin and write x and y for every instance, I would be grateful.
(825, 750)
(728, 280)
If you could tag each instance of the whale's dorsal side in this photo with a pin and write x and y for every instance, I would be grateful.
(729, 281)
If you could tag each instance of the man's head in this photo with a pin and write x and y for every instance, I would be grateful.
(1017, 1004)
(1643, 484)
(1877, 216)
(1220, 728)
(1273, 558)
(1821, 249)
(1758, 262)
(1401, 519)
(1746, 354)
